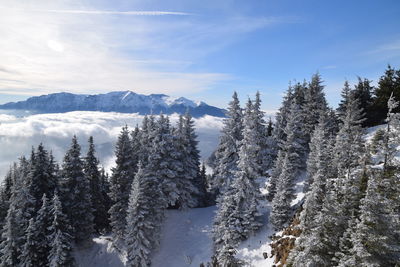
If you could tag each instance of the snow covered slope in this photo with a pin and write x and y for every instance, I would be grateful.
(120, 101)
(186, 241)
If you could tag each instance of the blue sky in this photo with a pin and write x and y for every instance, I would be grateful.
(202, 50)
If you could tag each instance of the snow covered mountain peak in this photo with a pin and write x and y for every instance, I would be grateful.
(117, 101)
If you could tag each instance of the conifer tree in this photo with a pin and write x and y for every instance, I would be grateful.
(276, 171)
(265, 154)
(135, 139)
(314, 104)
(41, 179)
(388, 84)
(166, 163)
(343, 191)
(373, 237)
(93, 175)
(9, 248)
(59, 237)
(237, 216)
(318, 171)
(292, 162)
(143, 219)
(120, 182)
(75, 188)
(227, 152)
(345, 94)
(281, 118)
(21, 210)
(191, 159)
(36, 247)
(363, 92)
(5, 195)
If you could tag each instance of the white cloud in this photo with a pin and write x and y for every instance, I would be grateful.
(19, 134)
(52, 46)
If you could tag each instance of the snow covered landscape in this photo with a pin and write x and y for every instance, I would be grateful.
(199, 133)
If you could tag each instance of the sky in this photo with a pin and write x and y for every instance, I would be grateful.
(203, 50)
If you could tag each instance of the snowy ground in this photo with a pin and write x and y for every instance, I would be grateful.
(186, 240)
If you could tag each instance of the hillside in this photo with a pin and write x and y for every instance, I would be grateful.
(119, 101)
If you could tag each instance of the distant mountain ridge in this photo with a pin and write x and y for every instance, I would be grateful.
(118, 101)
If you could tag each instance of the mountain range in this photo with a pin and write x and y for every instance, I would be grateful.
(118, 101)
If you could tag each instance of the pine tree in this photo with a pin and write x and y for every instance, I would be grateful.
(191, 159)
(292, 162)
(363, 92)
(59, 237)
(166, 163)
(76, 194)
(20, 211)
(343, 191)
(5, 195)
(29, 257)
(345, 94)
(237, 216)
(314, 105)
(373, 237)
(388, 83)
(276, 171)
(135, 139)
(318, 171)
(265, 155)
(120, 182)
(36, 247)
(281, 118)
(227, 152)
(41, 179)
(143, 219)
(145, 137)
(9, 248)
(93, 175)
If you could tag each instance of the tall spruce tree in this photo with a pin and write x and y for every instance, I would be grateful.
(293, 163)
(388, 84)
(120, 182)
(59, 237)
(166, 163)
(237, 216)
(144, 218)
(363, 92)
(227, 152)
(281, 118)
(192, 159)
(21, 210)
(265, 153)
(36, 247)
(318, 171)
(93, 175)
(343, 191)
(345, 94)
(41, 179)
(314, 104)
(5, 195)
(76, 196)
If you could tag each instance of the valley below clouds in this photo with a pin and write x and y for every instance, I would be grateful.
(19, 132)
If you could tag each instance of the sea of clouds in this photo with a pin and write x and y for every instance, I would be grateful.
(19, 132)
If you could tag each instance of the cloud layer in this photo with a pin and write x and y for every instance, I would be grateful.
(19, 134)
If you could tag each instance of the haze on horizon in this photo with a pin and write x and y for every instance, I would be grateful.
(200, 50)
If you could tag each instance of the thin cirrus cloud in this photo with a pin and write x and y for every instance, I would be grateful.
(49, 48)
(106, 12)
